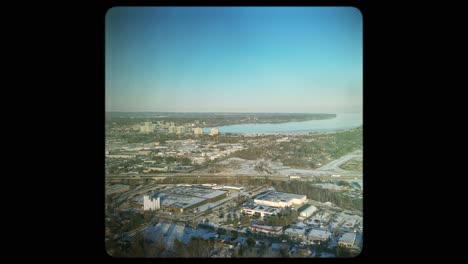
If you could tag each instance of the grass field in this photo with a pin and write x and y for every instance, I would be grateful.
(354, 164)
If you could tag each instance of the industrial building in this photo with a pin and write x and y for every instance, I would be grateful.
(280, 199)
(183, 198)
(308, 211)
(347, 240)
(262, 210)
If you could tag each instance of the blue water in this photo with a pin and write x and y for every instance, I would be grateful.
(342, 121)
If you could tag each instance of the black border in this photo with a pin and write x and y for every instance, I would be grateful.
(66, 220)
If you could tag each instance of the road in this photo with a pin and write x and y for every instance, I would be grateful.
(334, 165)
(327, 170)
(318, 174)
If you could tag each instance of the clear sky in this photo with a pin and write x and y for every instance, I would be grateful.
(234, 59)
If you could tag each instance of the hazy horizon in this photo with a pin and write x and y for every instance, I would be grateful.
(234, 59)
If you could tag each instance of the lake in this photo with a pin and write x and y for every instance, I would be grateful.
(342, 121)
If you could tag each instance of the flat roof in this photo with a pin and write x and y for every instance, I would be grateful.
(299, 231)
(206, 193)
(319, 233)
(261, 208)
(348, 237)
(280, 197)
(179, 201)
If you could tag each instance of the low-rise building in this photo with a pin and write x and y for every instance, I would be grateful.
(280, 199)
(272, 230)
(261, 210)
(151, 204)
(318, 235)
(295, 232)
(347, 240)
(308, 211)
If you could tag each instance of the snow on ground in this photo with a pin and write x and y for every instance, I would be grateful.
(329, 186)
(138, 199)
(326, 255)
(232, 160)
(170, 232)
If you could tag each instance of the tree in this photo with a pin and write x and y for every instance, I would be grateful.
(234, 235)
(221, 231)
(180, 248)
(245, 220)
(343, 252)
(235, 220)
(250, 241)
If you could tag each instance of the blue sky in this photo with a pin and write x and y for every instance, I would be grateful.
(234, 59)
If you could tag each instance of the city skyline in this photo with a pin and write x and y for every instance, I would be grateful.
(234, 59)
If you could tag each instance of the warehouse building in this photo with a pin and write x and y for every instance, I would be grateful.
(261, 210)
(280, 199)
(308, 211)
(183, 198)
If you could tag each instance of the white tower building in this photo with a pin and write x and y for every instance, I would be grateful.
(151, 204)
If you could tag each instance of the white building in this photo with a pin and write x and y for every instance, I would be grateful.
(151, 204)
(273, 230)
(319, 234)
(180, 130)
(261, 210)
(347, 240)
(308, 211)
(148, 127)
(198, 131)
(295, 232)
(198, 160)
(214, 131)
(172, 129)
(237, 188)
(280, 199)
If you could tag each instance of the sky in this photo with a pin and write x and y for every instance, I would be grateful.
(234, 59)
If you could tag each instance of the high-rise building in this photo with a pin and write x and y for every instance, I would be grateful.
(180, 130)
(148, 127)
(197, 131)
(172, 129)
(151, 204)
(214, 131)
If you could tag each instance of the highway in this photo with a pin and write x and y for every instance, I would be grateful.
(334, 165)
(325, 171)
(224, 175)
